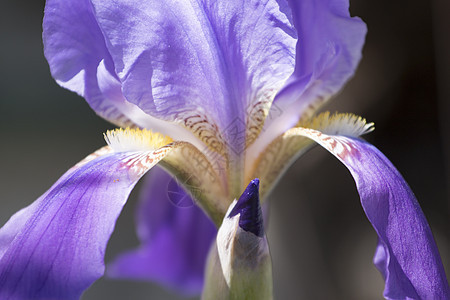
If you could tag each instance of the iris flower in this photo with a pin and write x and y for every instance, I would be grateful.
(218, 93)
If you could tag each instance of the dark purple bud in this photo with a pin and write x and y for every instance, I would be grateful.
(250, 210)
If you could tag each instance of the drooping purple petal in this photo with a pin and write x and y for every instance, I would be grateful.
(176, 236)
(54, 248)
(406, 255)
(328, 52)
(177, 59)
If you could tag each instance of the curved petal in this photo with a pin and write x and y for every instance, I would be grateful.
(54, 248)
(75, 48)
(328, 52)
(79, 61)
(406, 255)
(180, 59)
(175, 234)
(328, 49)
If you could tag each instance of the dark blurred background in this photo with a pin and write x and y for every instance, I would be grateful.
(322, 244)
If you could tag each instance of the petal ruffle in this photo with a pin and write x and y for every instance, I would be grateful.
(54, 248)
(76, 52)
(406, 255)
(180, 59)
(176, 236)
(80, 61)
(328, 52)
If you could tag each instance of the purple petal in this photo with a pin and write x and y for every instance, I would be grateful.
(79, 61)
(74, 47)
(176, 236)
(329, 45)
(328, 52)
(54, 248)
(406, 255)
(186, 57)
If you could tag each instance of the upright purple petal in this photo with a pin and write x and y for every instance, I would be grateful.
(329, 44)
(75, 49)
(178, 59)
(54, 248)
(176, 236)
(80, 61)
(328, 52)
(406, 254)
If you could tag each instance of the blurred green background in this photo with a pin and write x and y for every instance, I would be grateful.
(322, 244)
